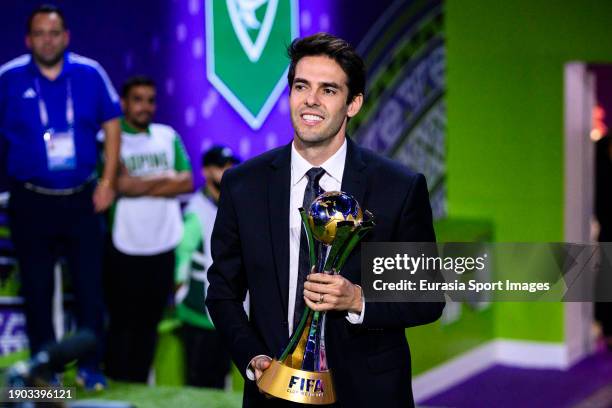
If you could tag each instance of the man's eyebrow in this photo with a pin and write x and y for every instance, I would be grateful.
(323, 84)
(331, 85)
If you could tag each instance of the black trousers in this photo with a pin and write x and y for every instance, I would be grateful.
(44, 227)
(207, 360)
(137, 291)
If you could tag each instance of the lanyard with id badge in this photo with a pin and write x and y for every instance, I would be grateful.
(59, 142)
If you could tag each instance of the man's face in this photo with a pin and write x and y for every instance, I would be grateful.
(213, 174)
(318, 100)
(139, 106)
(47, 39)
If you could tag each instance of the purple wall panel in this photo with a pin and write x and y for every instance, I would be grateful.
(165, 39)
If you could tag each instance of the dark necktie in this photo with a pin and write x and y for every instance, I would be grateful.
(313, 190)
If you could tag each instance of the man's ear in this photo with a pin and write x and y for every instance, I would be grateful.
(355, 106)
(66, 38)
(206, 173)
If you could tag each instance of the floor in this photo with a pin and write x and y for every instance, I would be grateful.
(587, 384)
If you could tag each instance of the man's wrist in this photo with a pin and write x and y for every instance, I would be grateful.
(105, 182)
(357, 304)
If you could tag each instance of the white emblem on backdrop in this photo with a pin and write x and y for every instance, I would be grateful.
(242, 14)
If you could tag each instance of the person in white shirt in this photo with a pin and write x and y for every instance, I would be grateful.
(207, 360)
(147, 226)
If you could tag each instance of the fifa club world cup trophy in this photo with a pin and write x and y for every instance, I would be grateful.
(334, 225)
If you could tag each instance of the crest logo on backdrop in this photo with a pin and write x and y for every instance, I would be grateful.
(245, 48)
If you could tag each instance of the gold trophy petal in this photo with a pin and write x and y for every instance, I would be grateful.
(301, 373)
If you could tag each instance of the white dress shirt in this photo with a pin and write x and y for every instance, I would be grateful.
(330, 181)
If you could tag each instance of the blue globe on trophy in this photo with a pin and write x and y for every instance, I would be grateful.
(330, 208)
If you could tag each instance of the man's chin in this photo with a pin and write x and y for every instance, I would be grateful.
(49, 61)
(312, 139)
(142, 125)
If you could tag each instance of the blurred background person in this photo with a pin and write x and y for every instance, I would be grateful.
(52, 103)
(207, 360)
(146, 228)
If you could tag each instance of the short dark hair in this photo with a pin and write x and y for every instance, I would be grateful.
(46, 9)
(138, 80)
(335, 48)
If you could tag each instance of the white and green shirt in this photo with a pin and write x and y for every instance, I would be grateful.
(149, 225)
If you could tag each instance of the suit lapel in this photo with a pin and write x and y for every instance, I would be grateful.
(353, 179)
(278, 214)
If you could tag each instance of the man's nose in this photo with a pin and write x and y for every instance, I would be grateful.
(312, 98)
(48, 36)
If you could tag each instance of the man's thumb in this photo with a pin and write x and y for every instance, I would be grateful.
(263, 363)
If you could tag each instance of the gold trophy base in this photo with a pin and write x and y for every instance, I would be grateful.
(291, 384)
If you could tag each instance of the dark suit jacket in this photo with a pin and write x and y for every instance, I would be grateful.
(370, 362)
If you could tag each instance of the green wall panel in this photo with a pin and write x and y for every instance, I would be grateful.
(505, 124)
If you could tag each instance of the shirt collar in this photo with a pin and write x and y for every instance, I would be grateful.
(66, 68)
(127, 128)
(334, 166)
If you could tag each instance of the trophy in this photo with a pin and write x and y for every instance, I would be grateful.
(301, 374)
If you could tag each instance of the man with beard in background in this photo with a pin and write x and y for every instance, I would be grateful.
(147, 226)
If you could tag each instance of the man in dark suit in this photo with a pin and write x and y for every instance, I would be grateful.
(257, 243)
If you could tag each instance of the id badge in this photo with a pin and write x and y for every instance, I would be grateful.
(61, 153)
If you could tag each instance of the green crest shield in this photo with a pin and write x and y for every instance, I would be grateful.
(245, 52)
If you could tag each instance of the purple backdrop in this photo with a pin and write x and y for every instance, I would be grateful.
(401, 40)
(165, 39)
